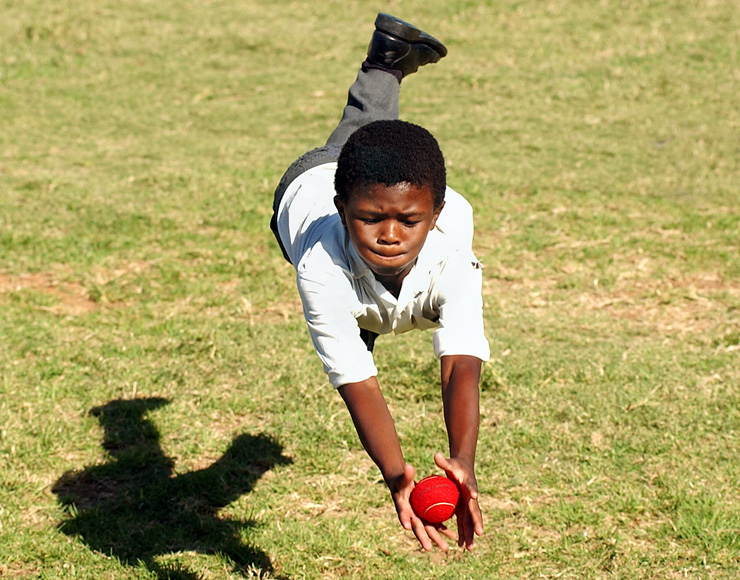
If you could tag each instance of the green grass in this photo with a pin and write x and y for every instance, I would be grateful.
(162, 413)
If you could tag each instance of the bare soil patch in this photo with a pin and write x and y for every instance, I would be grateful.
(71, 298)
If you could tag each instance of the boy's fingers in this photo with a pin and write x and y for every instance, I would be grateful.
(474, 517)
(474, 510)
(463, 533)
(453, 468)
(429, 535)
(436, 537)
(405, 520)
(421, 534)
(442, 462)
(409, 473)
(445, 531)
(463, 528)
(467, 535)
(469, 523)
(469, 517)
(474, 526)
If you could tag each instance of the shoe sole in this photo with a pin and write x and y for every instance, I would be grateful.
(408, 32)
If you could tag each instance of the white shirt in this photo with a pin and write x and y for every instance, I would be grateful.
(340, 294)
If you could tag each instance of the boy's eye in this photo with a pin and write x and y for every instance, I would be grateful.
(376, 220)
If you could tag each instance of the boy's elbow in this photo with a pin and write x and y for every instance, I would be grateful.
(460, 367)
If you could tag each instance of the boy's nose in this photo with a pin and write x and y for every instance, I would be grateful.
(389, 234)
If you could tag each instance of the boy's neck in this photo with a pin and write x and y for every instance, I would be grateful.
(393, 285)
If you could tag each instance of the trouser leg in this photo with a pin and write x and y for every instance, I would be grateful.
(374, 96)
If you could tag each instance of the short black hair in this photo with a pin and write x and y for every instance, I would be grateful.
(391, 152)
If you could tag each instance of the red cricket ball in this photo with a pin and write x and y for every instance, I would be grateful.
(434, 499)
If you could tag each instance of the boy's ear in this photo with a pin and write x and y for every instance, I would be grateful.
(436, 215)
(339, 204)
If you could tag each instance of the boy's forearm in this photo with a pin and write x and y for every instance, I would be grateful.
(374, 426)
(460, 395)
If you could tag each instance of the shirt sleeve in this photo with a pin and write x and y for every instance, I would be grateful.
(328, 309)
(460, 301)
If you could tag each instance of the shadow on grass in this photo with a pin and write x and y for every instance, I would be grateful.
(135, 508)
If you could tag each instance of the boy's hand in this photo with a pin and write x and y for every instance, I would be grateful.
(426, 533)
(469, 518)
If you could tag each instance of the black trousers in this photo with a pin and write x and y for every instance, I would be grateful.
(374, 96)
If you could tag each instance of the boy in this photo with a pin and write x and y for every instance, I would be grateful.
(380, 244)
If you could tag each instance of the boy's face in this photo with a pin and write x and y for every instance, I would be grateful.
(388, 226)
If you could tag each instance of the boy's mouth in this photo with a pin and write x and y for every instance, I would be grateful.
(387, 256)
(388, 265)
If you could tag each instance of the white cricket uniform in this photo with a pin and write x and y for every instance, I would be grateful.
(340, 294)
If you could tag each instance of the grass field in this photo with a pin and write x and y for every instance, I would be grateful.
(162, 413)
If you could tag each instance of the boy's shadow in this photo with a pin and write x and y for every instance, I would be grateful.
(134, 507)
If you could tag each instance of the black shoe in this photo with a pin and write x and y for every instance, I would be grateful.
(399, 46)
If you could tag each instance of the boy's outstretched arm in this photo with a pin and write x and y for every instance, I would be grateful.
(377, 433)
(460, 396)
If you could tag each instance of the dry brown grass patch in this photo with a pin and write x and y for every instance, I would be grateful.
(676, 307)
